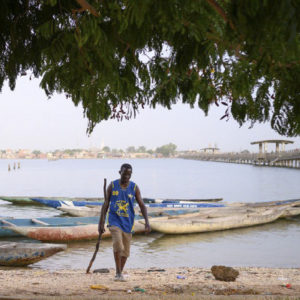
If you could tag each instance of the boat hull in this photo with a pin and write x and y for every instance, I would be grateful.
(58, 203)
(23, 254)
(197, 224)
(28, 200)
(178, 200)
(84, 211)
(6, 224)
(81, 211)
(68, 234)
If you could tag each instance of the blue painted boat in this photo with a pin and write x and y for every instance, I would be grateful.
(57, 203)
(177, 200)
(25, 200)
(183, 205)
(38, 222)
(64, 221)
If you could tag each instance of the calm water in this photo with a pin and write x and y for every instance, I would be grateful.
(271, 245)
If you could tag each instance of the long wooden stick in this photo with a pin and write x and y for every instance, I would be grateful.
(100, 234)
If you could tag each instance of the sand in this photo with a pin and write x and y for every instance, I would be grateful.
(198, 283)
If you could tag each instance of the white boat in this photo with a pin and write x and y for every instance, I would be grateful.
(81, 211)
(196, 223)
(86, 211)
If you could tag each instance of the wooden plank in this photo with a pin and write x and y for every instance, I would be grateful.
(7, 223)
(39, 222)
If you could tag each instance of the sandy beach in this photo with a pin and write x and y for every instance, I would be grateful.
(193, 283)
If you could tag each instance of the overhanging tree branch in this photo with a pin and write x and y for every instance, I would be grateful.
(221, 12)
(241, 41)
(86, 6)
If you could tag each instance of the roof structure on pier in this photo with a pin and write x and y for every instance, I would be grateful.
(273, 141)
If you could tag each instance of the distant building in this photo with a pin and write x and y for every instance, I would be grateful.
(212, 150)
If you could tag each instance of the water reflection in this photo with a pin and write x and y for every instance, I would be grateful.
(280, 227)
(8, 210)
(78, 254)
(240, 247)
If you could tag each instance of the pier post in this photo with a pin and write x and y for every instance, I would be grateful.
(260, 148)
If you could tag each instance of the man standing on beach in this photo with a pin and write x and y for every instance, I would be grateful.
(121, 194)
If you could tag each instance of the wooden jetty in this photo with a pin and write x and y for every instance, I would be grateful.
(277, 158)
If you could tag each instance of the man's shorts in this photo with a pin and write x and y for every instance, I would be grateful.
(121, 240)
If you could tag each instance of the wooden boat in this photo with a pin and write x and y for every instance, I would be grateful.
(293, 202)
(19, 200)
(7, 223)
(68, 233)
(291, 212)
(69, 229)
(81, 211)
(178, 200)
(58, 203)
(22, 254)
(23, 200)
(196, 224)
(93, 211)
(229, 209)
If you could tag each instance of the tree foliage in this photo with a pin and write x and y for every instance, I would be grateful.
(106, 149)
(131, 149)
(116, 56)
(36, 152)
(141, 149)
(167, 150)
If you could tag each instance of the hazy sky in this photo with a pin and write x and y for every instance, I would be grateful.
(28, 120)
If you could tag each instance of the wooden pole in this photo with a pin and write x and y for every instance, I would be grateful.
(100, 234)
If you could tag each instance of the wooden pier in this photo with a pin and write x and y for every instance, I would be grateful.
(278, 158)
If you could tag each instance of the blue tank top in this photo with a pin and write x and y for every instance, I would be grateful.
(121, 209)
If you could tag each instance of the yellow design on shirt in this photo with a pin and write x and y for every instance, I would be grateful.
(115, 193)
(130, 196)
(122, 208)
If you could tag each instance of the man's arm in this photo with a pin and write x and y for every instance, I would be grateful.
(104, 209)
(143, 208)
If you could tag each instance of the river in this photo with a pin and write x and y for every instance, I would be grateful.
(271, 245)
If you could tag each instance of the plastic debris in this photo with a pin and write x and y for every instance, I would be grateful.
(288, 285)
(128, 291)
(101, 271)
(282, 278)
(99, 287)
(156, 270)
(138, 289)
(180, 277)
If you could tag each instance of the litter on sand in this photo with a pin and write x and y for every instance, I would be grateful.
(99, 287)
